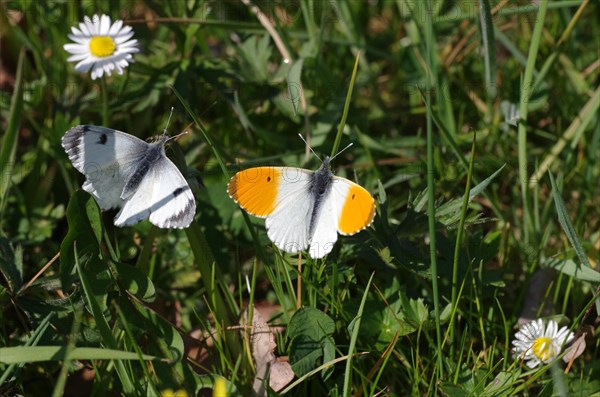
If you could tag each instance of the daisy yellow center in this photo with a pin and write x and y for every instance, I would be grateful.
(102, 46)
(542, 348)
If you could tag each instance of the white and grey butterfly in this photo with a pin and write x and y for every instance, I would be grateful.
(123, 171)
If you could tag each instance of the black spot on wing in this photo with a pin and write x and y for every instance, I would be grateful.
(177, 191)
(103, 139)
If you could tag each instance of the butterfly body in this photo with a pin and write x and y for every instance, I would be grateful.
(303, 209)
(123, 171)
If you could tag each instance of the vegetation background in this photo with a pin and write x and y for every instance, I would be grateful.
(424, 302)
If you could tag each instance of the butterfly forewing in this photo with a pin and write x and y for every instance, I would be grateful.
(356, 206)
(106, 157)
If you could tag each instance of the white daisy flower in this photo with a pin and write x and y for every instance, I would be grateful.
(537, 343)
(101, 46)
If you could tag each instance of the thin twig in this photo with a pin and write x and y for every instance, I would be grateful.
(38, 274)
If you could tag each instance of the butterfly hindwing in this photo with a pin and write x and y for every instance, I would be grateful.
(172, 189)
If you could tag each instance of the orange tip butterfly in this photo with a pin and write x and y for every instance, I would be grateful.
(303, 208)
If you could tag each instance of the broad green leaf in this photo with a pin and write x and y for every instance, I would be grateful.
(136, 282)
(502, 384)
(29, 354)
(85, 227)
(312, 323)
(304, 354)
(310, 331)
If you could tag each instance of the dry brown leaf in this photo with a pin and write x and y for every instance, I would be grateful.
(280, 375)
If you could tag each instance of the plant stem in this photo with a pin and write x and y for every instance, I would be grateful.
(430, 47)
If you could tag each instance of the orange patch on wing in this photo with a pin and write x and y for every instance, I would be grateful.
(255, 189)
(358, 211)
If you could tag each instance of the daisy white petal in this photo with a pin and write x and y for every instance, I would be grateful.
(104, 25)
(84, 65)
(126, 29)
(90, 26)
(76, 57)
(121, 38)
(79, 39)
(115, 28)
(84, 29)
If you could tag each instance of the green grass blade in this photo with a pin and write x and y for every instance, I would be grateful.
(489, 50)
(430, 72)
(526, 94)
(459, 238)
(355, 324)
(340, 130)
(8, 147)
(32, 341)
(30, 354)
(565, 222)
(103, 328)
(61, 381)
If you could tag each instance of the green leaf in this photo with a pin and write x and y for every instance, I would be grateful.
(29, 354)
(565, 222)
(107, 336)
(9, 267)
(136, 282)
(294, 88)
(8, 147)
(502, 384)
(489, 46)
(575, 270)
(85, 227)
(310, 331)
(414, 311)
(311, 322)
(304, 354)
(449, 212)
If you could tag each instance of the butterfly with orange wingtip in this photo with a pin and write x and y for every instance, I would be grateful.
(303, 208)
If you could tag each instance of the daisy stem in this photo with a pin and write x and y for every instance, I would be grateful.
(104, 94)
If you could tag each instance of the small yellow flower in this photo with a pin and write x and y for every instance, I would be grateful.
(171, 393)
(101, 47)
(220, 387)
(535, 343)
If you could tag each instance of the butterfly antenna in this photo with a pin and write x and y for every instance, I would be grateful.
(168, 121)
(311, 149)
(341, 151)
(177, 136)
